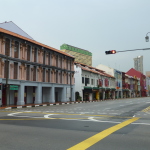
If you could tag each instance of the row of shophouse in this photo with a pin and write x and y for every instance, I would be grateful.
(31, 72)
(34, 73)
(95, 84)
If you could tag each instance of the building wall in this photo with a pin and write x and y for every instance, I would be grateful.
(93, 88)
(29, 65)
(134, 73)
(78, 80)
(107, 69)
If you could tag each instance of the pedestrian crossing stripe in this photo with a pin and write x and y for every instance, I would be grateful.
(146, 109)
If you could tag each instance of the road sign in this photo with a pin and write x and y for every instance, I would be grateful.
(13, 87)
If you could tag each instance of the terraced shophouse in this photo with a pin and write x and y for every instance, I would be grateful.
(31, 72)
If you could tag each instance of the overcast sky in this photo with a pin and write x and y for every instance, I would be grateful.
(93, 25)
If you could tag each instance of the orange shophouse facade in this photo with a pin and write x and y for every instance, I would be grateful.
(38, 73)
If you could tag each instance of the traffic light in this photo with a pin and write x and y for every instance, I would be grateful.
(110, 52)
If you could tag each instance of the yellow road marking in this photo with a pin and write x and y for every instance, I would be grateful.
(26, 119)
(72, 114)
(146, 109)
(96, 138)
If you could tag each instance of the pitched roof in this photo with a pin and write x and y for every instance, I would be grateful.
(2, 30)
(92, 69)
(134, 72)
(10, 26)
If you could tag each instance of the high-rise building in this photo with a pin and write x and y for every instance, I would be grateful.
(81, 55)
(138, 63)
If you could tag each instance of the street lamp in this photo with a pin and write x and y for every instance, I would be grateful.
(147, 37)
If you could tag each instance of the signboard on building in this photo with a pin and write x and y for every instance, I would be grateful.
(13, 87)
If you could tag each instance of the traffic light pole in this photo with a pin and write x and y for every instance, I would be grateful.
(134, 50)
(110, 51)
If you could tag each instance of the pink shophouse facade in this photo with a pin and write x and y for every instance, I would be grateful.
(38, 73)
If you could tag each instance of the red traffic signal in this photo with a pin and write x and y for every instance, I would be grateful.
(110, 52)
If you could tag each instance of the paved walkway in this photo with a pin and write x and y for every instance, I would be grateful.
(49, 104)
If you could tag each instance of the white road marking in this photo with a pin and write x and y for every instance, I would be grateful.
(47, 116)
(142, 123)
(8, 108)
(13, 114)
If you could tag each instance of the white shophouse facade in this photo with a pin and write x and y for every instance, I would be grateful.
(92, 83)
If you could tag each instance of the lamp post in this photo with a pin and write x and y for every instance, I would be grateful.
(147, 37)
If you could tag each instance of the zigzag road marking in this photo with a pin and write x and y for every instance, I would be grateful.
(146, 109)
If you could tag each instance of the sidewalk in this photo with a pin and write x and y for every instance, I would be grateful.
(50, 104)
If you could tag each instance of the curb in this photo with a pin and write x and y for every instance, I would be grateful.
(52, 104)
(49, 104)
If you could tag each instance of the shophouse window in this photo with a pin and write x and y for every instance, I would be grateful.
(92, 81)
(86, 81)
(56, 61)
(82, 79)
(6, 70)
(28, 52)
(67, 78)
(61, 62)
(34, 73)
(7, 47)
(60, 77)
(44, 57)
(43, 74)
(67, 62)
(35, 55)
(16, 49)
(48, 75)
(56, 76)
(48, 58)
(28, 72)
(15, 70)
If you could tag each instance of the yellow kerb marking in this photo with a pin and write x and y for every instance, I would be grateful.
(96, 138)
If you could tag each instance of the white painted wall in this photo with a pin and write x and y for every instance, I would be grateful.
(78, 80)
(107, 69)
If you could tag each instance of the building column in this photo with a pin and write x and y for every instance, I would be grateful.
(21, 95)
(121, 94)
(38, 94)
(117, 95)
(97, 95)
(52, 95)
(114, 95)
(103, 95)
(64, 99)
(73, 94)
(29, 95)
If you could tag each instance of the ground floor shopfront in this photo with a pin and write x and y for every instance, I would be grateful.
(131, 93)
(98, 93)
(26, 92)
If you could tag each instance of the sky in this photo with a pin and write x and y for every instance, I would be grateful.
(93, 25)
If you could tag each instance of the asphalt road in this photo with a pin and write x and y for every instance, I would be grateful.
(106, 125)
